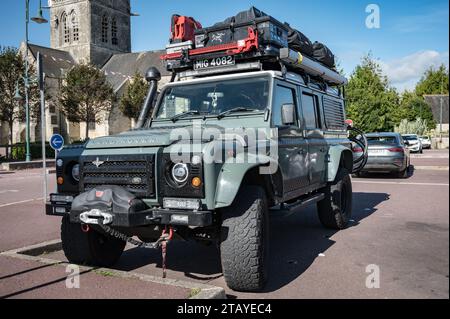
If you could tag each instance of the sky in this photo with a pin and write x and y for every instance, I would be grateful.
(412, 35)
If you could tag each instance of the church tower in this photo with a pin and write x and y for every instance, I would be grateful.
(91, 30)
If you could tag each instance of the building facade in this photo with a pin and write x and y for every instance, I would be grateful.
(86, 31)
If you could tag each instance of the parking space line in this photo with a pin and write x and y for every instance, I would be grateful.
(9, 191)
(20, 202)
(400, 183)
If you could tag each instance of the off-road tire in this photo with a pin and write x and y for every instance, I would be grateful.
(335, 209)
(91, 248)
(244, 240)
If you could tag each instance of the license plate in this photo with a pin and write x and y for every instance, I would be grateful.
(375, 152)
(214, 62)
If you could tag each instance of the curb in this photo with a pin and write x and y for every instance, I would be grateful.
(431, 168)
(33, 253)
(16, 166)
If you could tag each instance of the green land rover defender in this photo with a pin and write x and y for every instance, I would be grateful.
(237, 134)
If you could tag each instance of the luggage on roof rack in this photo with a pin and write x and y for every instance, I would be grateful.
(323, 54)
(270, 31)
(251, 39)
(299, 42)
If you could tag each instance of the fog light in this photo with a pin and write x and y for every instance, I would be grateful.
(60, 210)
(60, 180)
(196, 182)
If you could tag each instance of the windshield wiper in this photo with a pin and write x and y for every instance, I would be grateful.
(178, 116)
(233, 110)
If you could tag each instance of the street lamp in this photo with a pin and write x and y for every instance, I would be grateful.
(38, 19)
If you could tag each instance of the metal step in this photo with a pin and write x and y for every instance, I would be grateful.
(299, 204)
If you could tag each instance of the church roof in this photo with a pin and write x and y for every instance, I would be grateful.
(122, 67)
(55, 62)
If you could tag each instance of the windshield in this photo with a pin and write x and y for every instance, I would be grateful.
(410, 137)
(214, 98)
(387, 140)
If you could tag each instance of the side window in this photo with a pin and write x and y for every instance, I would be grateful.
(310, 109)
(283, 95)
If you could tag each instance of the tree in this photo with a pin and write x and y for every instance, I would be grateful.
(85, 95)
(371, 103)
(131, 102)
(419, 127)
(12, 69)
(413, 106)
(433, 82)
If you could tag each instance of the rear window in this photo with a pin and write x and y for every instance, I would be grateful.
(385, 140)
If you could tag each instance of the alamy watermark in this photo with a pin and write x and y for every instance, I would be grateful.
(226, 145)
(373, 20)
(373, 279)
(73, 277)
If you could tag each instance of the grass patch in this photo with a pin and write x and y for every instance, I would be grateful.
(105, 273)
(194, 292)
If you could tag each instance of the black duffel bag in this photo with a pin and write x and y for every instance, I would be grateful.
(299, 42)
(323, 54)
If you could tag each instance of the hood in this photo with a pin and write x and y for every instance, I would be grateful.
(157, 136)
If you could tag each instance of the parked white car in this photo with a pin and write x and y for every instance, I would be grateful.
(426, 142)
(413, 142)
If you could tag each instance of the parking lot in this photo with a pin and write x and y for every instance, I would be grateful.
(400, 226)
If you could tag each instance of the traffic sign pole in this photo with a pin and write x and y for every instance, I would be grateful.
(43, 130)
(57, 143)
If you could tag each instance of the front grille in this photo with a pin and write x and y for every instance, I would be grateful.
(132, 172)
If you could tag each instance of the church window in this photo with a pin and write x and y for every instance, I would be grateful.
(75, 27)
(65, 27)
(114, 39)
(105, 26)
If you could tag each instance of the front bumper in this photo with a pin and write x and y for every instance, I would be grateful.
(414, 148)
(142, 218)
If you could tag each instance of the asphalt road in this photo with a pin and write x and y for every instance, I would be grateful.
(399, 225)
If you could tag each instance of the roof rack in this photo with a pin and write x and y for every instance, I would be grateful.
(244, 55)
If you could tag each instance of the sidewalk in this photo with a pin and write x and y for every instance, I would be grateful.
(32, 279)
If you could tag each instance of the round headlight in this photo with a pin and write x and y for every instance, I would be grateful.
(59, 162)
(180, 172)
(76, 172)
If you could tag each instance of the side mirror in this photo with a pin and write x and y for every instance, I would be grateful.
(288, 114)
(406, 143)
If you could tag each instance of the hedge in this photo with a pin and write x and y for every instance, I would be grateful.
(18, 151)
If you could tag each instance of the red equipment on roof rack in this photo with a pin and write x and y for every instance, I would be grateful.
(248, 44)
(182, 28)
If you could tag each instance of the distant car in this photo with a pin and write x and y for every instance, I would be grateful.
(413, 143)
(426, 142)
(387, 153)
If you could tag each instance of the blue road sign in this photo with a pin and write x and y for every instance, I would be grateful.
(56, 142)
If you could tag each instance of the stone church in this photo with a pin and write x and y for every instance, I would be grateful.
(87, 31)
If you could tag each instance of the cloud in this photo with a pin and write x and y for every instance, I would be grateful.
(405, 72)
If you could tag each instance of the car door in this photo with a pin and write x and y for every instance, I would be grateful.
(313, 132)
(292, 146)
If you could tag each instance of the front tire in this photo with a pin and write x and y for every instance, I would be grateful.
(90, 248)
(335, 209)
(244, 240)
